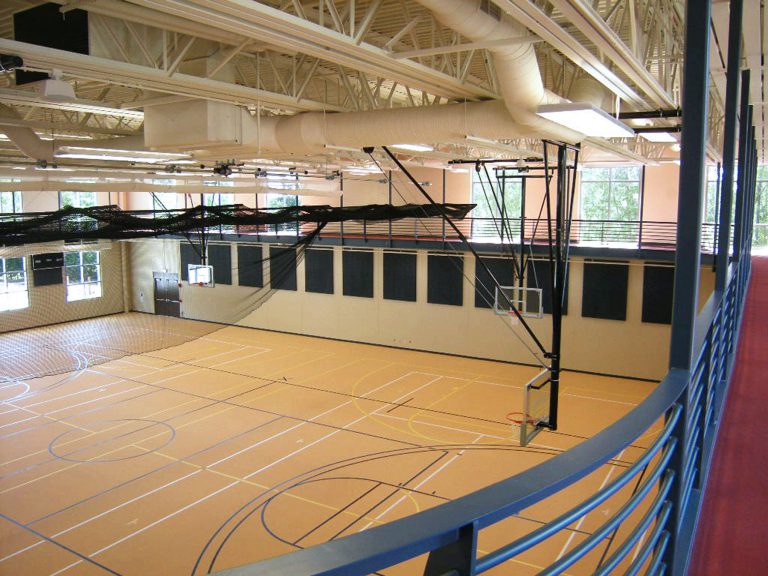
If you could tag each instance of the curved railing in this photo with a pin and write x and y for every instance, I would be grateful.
(651, 528)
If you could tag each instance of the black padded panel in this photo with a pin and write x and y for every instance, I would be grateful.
(358, 273)
(189, 255)
(605, 290)
(485, 288)
(445, 280)
(400, 276)
(658, 288)
(538, 276)
(318, 271)
(47, 276)
(250, 266)
(282, 268)
(220, 257)
(45, 25)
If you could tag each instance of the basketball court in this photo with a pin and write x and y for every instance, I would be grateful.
(179, 447)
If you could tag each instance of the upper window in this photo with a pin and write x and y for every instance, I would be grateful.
(83, 272)
(610, 200)
(492, 218)
(10, 202)
(162, 201)
(760, 234)
(14, 293)
(77, 199)
(713, 195)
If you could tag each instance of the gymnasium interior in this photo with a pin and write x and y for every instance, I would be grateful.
(393, 287)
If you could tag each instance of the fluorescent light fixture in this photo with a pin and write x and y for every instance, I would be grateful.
(25, 98)
(413, 147)
(660, 137)
(88, 153)
(675, 147)
(585, 118)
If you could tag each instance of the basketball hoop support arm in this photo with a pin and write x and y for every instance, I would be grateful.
(539, 345)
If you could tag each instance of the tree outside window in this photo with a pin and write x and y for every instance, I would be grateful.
(276, 201)
(610, 203)
(760, 236)
(10, 203)
(486, 216)
(77, 199)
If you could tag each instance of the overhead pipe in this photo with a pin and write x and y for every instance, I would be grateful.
(25, 138)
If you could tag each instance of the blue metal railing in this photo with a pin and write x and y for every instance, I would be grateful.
(666, 497)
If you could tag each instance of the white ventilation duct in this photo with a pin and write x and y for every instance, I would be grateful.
(516, 66)
(196, 126)
(25, 138)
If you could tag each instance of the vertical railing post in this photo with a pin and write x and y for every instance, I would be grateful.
(642, 208)
(341, 205)
(688, 254)
(389, 198)
(743, 164)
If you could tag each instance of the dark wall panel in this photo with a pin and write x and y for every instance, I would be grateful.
(220, 257)
(605, 291)
(188, 256)
(358, 273)
(485, 288)
(250, 266)
(445, 280)
(45, 25)
(538, 276)
(318, 271)
(282, 268)
(658, 288)
(47, 276)
(400, 276)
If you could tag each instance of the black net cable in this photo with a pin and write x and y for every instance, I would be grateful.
(471, 283)
(109, 222)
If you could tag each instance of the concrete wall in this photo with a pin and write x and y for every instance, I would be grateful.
(48, 304)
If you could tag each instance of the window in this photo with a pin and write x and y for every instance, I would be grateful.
(713, 195)
(276, 201)
(77, 199)
(83, 271)
(162, 201)
(609, 198)
(486, 217)
(760, 235)
(10, 202)
(14, 294)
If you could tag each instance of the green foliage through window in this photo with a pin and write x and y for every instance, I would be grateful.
(610, 203)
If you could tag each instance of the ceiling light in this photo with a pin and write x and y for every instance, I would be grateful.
(675, 147)
(413, 147)
(89, 153)
(660, 137)
(585, 118)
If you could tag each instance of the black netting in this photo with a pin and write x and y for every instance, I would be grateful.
(110, 222)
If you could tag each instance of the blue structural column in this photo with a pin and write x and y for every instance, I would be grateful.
(744, 161)
(692, 180)
(687, 263)
(729, 142)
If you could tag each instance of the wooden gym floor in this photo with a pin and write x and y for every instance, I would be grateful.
(218, 446)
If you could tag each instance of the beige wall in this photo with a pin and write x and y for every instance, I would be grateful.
(630, 348)
(48, 304)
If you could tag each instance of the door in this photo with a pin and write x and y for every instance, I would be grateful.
(167, 301)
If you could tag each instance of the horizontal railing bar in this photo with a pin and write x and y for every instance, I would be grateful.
(622, 513)
(657, 566)
(653, 512)
(531, 539)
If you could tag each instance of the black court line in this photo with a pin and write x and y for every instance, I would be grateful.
(403, 403)
(176, 462)
(59, 544)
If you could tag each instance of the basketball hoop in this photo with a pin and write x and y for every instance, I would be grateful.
(517, 418)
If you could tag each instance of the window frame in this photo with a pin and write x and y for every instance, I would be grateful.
(5, 291)
(486, 216)
(626, 233)
(83, 289)
(79, 196)
(16, 202)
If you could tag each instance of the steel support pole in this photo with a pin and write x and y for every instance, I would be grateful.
(745, 117)
(729, 142)
(692, 181)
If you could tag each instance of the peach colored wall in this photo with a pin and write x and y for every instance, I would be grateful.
(661, 185)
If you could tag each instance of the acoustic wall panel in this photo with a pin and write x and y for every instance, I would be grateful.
(605, 290)
(400, 276)
(485, 288)
(358, 273)
(250, 266)
(658, 288)
(538, 275)
(189, 255)
(318, 271)
(282, 268)
(220, 257)
(445, 279)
